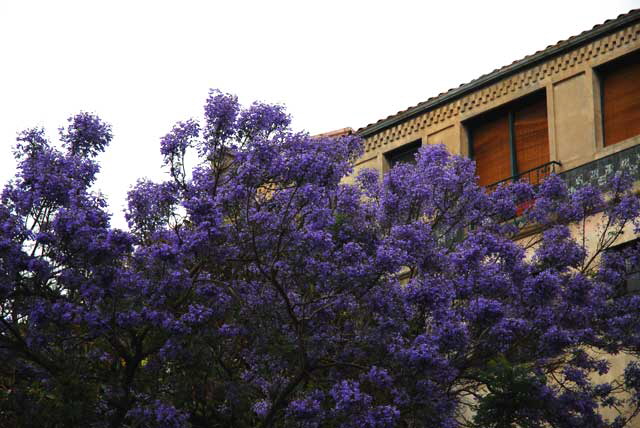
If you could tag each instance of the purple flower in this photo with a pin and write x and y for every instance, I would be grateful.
(86, 135)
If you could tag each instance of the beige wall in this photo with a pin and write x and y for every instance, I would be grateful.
(372, 162)
(449, 136)
(572, 105)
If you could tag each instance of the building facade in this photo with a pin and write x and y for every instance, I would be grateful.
(573, 108)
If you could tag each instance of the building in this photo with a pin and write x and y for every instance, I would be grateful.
(572, 108)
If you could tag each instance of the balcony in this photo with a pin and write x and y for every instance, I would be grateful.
(532, 176)
(598, 172)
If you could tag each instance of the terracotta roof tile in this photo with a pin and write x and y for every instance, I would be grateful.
(337, 133)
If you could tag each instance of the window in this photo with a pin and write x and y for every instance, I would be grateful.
(620, 92)
(406, 153)
(511, 140)
(630, 252)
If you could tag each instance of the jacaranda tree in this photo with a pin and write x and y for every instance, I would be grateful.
(257, 288)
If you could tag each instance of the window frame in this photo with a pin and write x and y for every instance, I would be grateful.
(392, 157)
(600, 72)
(510, 108)
(630, 270)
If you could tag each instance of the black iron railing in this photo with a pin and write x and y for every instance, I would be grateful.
(531, 176)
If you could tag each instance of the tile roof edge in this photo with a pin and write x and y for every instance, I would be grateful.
(335, 133)
(487, 79)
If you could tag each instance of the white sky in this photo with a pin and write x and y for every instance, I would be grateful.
(142, 65)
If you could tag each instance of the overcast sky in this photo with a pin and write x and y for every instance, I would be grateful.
(142, 65)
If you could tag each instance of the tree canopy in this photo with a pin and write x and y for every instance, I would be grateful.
(259, 288)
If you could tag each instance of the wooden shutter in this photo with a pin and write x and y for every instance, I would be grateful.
(621, 99)
(531, 137)
(490, 138)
